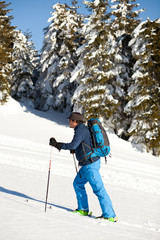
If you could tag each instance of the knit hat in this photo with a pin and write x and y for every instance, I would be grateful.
(76, 116)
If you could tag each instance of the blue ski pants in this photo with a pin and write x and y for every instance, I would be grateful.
(90, 173)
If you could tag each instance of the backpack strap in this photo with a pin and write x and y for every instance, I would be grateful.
(86, 156)
(105, 155)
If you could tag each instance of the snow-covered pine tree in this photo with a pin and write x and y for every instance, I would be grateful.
(23, 67)
(6, 48)
(35, 56)
(95, 93)
(59, 58)
(144, 93)
(125, 19)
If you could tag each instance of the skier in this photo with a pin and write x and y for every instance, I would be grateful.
(89, 169)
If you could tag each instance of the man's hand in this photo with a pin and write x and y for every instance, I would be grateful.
(54, 143)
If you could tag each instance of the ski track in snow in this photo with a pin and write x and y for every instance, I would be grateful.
(149, 226)
(65, 211)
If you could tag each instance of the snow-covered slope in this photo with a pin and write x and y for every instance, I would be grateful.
(132, 180)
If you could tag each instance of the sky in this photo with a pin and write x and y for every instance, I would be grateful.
(33, 15)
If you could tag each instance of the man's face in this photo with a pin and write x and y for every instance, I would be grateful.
(72, 123)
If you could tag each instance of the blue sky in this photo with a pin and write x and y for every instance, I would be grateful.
(34, 14)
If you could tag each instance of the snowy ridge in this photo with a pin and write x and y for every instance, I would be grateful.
(131, 178)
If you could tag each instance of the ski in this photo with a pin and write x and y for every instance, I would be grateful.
(80, 212)
(112, 219)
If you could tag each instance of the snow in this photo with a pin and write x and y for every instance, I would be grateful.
(96, 2)
(131, 178)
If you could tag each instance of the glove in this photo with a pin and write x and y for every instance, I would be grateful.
(72, 151)
(54, 143)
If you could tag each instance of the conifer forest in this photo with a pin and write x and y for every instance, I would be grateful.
(105, 64)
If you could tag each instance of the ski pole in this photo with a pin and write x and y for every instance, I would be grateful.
(75, 164)
(48, 179)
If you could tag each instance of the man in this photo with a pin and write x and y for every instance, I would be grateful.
(89, 169)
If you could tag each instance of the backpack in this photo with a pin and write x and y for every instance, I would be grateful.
(100, 141)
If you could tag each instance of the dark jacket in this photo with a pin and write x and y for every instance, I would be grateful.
(81, 136)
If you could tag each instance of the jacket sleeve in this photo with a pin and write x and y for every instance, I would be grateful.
(76, 141)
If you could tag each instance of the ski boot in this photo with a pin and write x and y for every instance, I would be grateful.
(81, 212)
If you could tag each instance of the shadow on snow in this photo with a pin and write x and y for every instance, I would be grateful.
(18, 194)
(52, 115)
